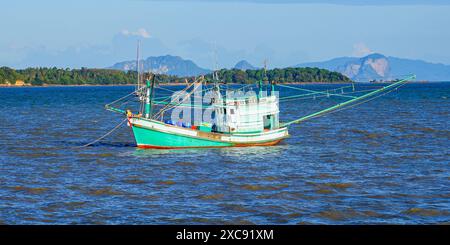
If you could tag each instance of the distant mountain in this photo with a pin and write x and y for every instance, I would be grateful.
(244, 65)
(380, 67)
(170, 65)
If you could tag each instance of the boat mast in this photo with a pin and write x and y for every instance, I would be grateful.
(149, 97)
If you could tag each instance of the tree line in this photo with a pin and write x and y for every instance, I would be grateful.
(86, 76)
(284, 75)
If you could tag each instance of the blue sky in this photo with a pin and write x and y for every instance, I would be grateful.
(287, 32)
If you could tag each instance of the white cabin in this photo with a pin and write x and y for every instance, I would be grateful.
(246, 114)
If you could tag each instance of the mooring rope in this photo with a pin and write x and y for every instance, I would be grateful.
(104, 136)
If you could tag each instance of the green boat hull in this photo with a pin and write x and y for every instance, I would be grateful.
(155, 134)
(147, 138)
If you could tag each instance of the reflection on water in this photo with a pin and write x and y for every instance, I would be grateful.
(383, 162)
(231, 152)
(137, 152)
(250, 152)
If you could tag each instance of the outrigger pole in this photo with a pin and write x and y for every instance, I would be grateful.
(330, 109)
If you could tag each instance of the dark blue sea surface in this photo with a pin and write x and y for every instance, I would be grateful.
(386, 161)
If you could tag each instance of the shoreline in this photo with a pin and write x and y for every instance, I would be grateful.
(181, 84)
(81, 85)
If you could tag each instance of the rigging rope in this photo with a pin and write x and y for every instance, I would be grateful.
(164, 109)
(363, 101)
(341, 105)
(316, 92)
(104, 136)
(167, 107)
(307, 96)
(132, 93)
(353, 105)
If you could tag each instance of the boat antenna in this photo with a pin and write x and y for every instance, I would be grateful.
(215, 64)
(215, 75)
(264, 79)
(265, 69)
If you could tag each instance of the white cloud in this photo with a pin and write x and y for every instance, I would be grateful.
(361, 49)
(141, 32)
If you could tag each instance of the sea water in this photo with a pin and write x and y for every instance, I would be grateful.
(386, 161)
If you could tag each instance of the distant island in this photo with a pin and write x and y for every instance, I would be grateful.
(87, 76)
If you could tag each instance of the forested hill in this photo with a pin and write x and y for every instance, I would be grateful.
(285, 75)
(85, 76)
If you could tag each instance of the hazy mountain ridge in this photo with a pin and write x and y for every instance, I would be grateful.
(168, 64)
(244, 65)
(364, 69)
(380, 67)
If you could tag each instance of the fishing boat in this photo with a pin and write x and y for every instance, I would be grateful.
(244, 121)
(250, 119)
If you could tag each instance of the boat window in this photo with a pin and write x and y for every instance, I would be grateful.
(267, 121)
(231, 111)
